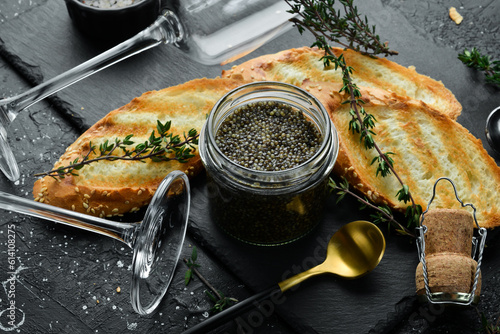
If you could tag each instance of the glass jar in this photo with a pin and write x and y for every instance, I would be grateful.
(268, 207)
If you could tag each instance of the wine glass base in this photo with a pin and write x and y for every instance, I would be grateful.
(8, 164)
(159, 242)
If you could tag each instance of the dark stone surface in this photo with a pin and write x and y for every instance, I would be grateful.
(63, 272)
(478, 29)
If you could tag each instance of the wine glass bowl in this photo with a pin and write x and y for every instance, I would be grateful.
(156, 241)
(112, 24)
(158, 245)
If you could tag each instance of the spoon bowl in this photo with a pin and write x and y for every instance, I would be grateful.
(356, 249)
(493, 129)
(353, 251)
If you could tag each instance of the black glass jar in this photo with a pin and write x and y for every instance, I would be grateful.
(268, 207)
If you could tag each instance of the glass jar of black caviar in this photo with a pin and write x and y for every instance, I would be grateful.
(268, 149)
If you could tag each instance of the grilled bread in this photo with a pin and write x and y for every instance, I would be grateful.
(426, 145)
(296, 65)
(414, 120)
(109, 188)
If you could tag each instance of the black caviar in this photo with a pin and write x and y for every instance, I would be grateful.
(268, 136)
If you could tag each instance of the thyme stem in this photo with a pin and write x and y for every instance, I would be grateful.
(204, 280)
(321, 19)
(220, 301)
(325, 23)
(384, 214)
(367, 134)
(165, 147)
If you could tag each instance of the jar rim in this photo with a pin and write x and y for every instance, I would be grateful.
(329, 142)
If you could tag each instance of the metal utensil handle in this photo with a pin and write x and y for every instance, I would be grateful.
(422, 229)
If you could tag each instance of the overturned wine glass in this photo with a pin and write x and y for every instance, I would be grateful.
(156, 241)
(210, 32)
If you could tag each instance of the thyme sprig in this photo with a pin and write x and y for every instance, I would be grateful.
(349, 30)
(474, 59)
(217, 297)
(382, 214)
(162, 147)
(363, 123)
(321, 19)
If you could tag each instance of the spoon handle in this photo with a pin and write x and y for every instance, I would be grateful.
(273, 293)
(300, 277)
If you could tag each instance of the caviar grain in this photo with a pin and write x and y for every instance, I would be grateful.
(268, 136)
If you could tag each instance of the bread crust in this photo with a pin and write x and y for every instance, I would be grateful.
(295, 66)
(112, 188)
(427, 145)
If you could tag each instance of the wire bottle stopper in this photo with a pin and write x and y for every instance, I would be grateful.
(447, 297)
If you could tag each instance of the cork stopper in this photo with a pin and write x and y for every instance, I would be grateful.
(448, 247)
(448, 230)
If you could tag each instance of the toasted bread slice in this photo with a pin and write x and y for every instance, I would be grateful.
(296, 65)
(426, 146)
(109, 188)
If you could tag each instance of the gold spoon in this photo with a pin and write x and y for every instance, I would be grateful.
(353, 251)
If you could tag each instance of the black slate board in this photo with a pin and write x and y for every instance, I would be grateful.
(324, 303)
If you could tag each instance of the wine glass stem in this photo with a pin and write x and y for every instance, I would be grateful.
(124, 232)
(166, 29)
